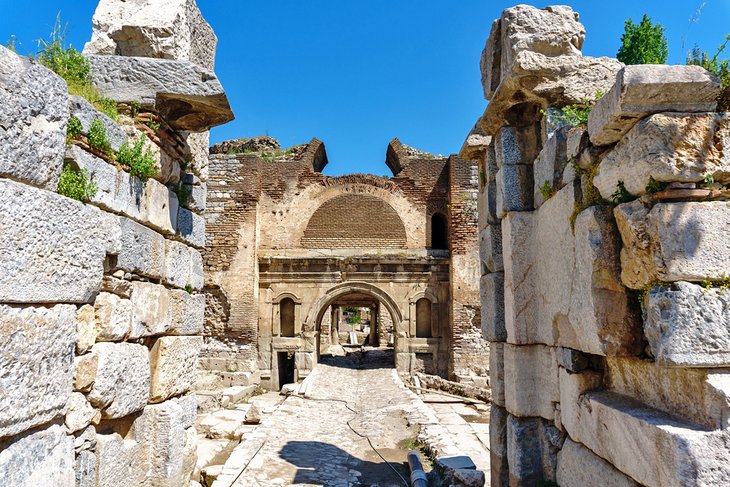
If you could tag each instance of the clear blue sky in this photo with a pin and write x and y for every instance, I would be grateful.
(358, 73)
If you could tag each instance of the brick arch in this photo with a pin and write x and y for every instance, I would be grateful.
(355, 221)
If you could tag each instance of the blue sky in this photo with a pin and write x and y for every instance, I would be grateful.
(358, 73)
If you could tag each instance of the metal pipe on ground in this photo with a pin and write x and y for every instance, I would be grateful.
(418, 476)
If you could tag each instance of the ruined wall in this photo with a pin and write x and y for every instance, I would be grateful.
(604, 250)
(101, 314)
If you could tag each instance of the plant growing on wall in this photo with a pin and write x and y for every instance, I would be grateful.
(75, 184)
(645, 43)
(718, 67)
(97, 137)
(73, 129)
(140, 161)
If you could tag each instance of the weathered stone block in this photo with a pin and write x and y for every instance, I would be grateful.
(84, 372)
(198, 146)
(80, 413)
(36, 360)
(187, 313)
(496, 373)
(668, 147)
(159, 207)
(85, 329)
(33, 115)
(173, 30)
(673, 242)
(492, 307)
(514, 189)
(532, 450)
(499, 469)
(177, 264)
(44, 457)
(641, 90)
(85, 469)
(519, 290)
(120, 461)
(648, 445)
(487, 198)
(173, 361)
(86, 113)
(191, 228)
(571, 360)
(143, 250)
(197, 276)
(198, 198)
(52, 248)
(549, 165)
(688, 326)
(490, 63)
(151, 306)
(490, 248)
(113, 317)
(122, 380)
(580, 467)
(189, 407)
(189, 97)
(700, 396)
(531, 380)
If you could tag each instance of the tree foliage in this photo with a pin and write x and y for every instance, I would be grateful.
(644, 43)
(718, 67)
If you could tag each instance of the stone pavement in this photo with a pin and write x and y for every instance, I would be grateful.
(307, 441)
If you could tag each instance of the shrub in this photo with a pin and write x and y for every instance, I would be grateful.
(644, 43)
(720, 68)
(576, 115)
(97, 137)
(621, 195)
(73, 129)
(141, 162)
(75, 184)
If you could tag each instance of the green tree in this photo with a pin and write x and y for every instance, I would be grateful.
(718, 67)
(644, 43)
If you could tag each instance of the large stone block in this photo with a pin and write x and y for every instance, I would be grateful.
(33, 115)
(603, 317)
(52, 248)
(177, 264)
(101, 173)
(42, 458)
(531, 380)
(197, 272)
(549, 165)
(187, 313)
(86, 113)
(122, 380)
(113, 316)
(120, 461)
(519, 289)
(159, 207)
(189, 97)
(700, 396)
(496, 372)
(514, 189)
(499, 469)
(85, 329)
(650, 446)
(532, 450)
(191, 228)
(36, 364)
(80, 413)
(688, 326)
(490, 249)
(172, 29)
(641, 90)
(492, 307)
(490, 63)
(198, 146)
(668, 147)
(151, 306)
(673, 242)
(143, 250)
(516, 146)
(173, 361)
(580, 467)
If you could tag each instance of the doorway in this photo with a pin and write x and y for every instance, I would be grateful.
(285, 362)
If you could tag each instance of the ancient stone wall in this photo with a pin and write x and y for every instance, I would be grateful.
(604, 260)
(101, 310)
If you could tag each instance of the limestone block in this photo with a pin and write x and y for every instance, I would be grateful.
(113, 317)
(603, 317)
(688, 326)
(197, 273)
(80, 413)
(475, 145)
(85, 329)
(172, 29)
(576, 140)
(198, 145)
(189, 97)
(496, 373)
(84, 372)
(531, 380)
(151, 309)
(580, 467)
(571, 360)
(42, 458)
(514, 189)
(120, 461)
(197, 198)
(490, 63)
(499, 469)
(187, 313)
(122, 380)
(191, 228)
(33, 115)
(641, 90)
(189, 407)
(86, 113)
(36, 359)
(490, 248)
(700, 396)
(492, 307)
(52, 248)
(130, 195)
(668, 147)
(173, 361)
(532, 450)
(177, 264)
(650, 446)
(117, 286)
(143, 250)
(549, 165)
(673, 242)
(159, 207)
(487, 197)
(85, 469)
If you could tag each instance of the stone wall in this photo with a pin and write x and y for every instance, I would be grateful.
(604, 257)
(101, 314)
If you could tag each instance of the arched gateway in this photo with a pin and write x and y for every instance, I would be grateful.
(293, 249)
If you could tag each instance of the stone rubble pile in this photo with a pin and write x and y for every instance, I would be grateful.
(101, 311)
(604, 259)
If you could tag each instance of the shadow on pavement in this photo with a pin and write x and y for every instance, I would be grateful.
(368, 359)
